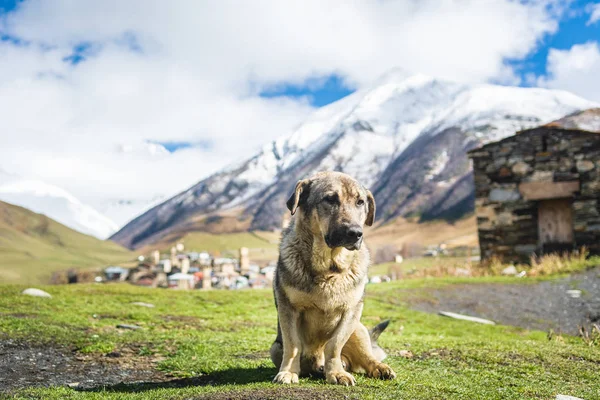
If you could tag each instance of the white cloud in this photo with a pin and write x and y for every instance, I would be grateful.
(200, 68)
(594, 10)
(576, 69)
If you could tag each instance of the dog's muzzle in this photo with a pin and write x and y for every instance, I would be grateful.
(348, 236)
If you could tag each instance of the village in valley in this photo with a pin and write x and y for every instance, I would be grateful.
(188, 270)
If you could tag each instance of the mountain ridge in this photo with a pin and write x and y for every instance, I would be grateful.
(406, 138)
(57, 204)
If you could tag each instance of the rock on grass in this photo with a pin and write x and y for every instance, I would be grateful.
(36, 293)
(142, 304)
(127, 326)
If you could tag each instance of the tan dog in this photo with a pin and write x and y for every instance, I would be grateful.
(320, 283)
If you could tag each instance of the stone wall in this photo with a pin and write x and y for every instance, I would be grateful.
(507, 221)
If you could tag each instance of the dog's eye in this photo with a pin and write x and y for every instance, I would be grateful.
(360, 202)
(331, 199)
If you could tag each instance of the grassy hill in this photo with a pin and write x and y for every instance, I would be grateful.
(214, 344)
(32, 246)
(459, 233)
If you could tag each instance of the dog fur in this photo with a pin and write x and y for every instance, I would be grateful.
(320, 283)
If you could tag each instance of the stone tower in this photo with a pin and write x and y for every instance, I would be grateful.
(244, 260)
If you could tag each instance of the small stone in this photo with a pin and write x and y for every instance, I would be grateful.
(73, 385)
(566, 397)
(521, 168)
(503, 195)
(113, 354)
(526, 248)
(504, 172)
(585, 165)
(466, 318)
(575, 294)
(36, 293)
(542, 176)
(142, 304)
(510, 270)
(505, 218)
(406, 354)
(126, 326)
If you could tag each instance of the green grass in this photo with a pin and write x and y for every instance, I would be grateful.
(224, 336)
(546, 265)
(418, 263)
(32, 246)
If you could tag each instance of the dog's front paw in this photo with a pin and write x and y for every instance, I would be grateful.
(341, 378)
(286, 377)
(381, 371)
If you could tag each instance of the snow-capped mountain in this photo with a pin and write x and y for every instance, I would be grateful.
(55, 203)
(405, 138)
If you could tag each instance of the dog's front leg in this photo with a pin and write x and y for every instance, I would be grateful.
(334, 370)
(290, 362)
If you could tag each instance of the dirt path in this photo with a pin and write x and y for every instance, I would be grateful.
(28, 366)
(542, 306)
(25, 365)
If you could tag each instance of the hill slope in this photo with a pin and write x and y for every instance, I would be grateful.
(33, 245)
(56, 203)
(406, 138)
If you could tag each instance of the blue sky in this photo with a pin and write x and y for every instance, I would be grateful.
(216, 81)
(573, 29)
(8, 5)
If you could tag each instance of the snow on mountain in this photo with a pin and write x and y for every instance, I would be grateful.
(405, 137)
(55, 203)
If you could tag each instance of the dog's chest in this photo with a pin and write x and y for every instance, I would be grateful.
(329, 293)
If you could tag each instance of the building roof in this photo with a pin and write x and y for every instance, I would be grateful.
(588, 120)
(115, 270)
(542, 128)
(180, 277)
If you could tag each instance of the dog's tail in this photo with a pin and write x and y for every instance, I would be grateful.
(377, 329)
(378, 352)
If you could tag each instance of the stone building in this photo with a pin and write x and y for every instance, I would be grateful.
(244, 262)
(538, 192)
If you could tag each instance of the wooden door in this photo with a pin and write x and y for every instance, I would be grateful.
(555, 225)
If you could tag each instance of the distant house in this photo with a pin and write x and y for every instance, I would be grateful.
(538, 192)
(116, 273)
(225, 265)
(181, 281)
(204, 258)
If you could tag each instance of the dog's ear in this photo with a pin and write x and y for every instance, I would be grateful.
(300, 194)
(371, 211)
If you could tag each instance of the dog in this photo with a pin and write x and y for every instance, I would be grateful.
(320, 283)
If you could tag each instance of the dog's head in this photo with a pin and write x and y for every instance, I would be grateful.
(335, 206)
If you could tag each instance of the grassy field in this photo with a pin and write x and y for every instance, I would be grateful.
(32, 246)
(413, 264)
(223, 337)
(401, 231)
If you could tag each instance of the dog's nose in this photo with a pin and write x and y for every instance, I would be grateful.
(354, 232)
